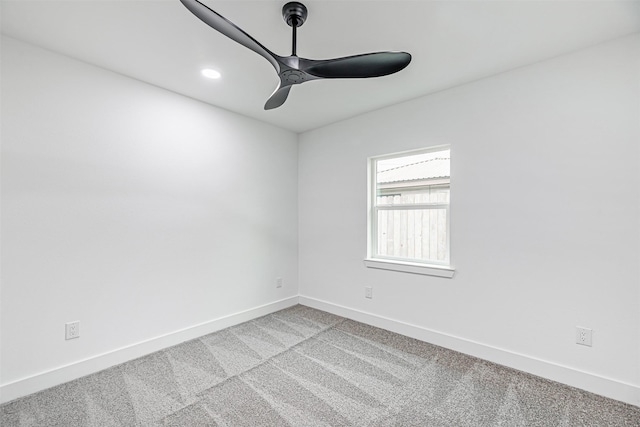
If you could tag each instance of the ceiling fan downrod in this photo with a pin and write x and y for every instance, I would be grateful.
(294, 14)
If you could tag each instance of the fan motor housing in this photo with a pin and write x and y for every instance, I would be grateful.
(294, 76)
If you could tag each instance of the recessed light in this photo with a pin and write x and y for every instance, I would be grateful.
(212, 74)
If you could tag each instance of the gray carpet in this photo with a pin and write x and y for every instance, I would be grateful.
(304, 367)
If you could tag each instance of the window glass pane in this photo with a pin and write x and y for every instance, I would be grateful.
(409, 209)
(413, 179)
(419, 234)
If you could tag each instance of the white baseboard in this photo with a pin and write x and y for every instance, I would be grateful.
(62, 374)
(614, 389)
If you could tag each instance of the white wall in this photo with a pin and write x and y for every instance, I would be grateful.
(544, 209)
(134, 210)
(141, 213)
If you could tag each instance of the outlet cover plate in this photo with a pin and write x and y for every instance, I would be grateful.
(71, 330)
(584, 336)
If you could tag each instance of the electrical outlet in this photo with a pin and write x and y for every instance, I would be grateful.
(368, 292)
(278, 282)
(72, 330)
(583, 336)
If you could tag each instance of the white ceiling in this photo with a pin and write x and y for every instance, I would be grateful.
(452, 42)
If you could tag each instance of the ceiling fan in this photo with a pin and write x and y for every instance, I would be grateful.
(294, 70)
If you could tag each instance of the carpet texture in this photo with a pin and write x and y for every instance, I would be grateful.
(304, 367)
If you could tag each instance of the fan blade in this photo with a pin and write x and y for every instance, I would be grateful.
(229, 29)
(359, 66)
(278, 97)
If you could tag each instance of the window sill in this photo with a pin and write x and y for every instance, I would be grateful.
(410, 267)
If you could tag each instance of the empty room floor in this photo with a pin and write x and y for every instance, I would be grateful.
(305, 367)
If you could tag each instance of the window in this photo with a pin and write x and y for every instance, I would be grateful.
(409, 223)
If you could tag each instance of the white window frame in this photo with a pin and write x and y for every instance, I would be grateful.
(407, 265)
